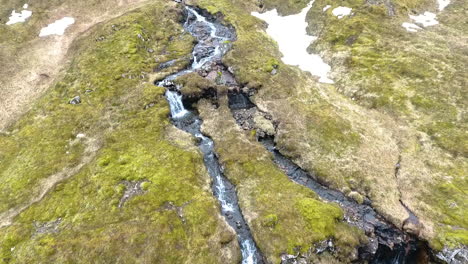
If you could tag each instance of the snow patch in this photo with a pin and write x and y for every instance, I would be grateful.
(326, 8)
(58, 27)
(342, 11)
(443, 4)
(19, 17)
(291, 35)
(411, 27)
(427, 19)
(25, 6)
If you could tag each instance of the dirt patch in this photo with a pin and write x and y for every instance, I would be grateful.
(34, 65)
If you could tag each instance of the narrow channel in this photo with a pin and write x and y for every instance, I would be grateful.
(213, 41)
(387, 244)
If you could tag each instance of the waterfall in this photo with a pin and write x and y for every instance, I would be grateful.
(176, 105)
(211, 47)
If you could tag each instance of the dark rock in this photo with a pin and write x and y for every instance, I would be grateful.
(76, 100)
(166, 64)
(202, 52)
(239, 100)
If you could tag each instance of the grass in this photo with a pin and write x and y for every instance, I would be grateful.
(417, 78)
(135, 146)
(395, 93)
(283, 216)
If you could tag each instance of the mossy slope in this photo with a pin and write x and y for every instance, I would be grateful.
(175, 220)
(284, 217)
(417, 79)
(397, 96)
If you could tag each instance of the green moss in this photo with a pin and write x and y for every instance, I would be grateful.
(283, 216)
(320, 217)
(286, 7)
(51, 127)
(194, 85)
(270, 220)
(133, 147)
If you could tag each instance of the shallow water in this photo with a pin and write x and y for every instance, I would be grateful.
(213, 39)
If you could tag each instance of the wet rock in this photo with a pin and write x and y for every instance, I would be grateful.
(239, 101)
(202, 52)
(368, 251)
(76, 100)
(454, 256)
(166, 64)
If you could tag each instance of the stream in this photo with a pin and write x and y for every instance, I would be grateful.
(387, 244)
(213, 41)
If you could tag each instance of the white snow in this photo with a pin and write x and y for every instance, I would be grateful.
(25, 6)
(58, 27)
(18, 17)
(326, 8)
(427, 19)
(342, 11)
(290, 34)
(411, 27)
(443, 4)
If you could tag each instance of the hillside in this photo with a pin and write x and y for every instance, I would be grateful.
(233, 131)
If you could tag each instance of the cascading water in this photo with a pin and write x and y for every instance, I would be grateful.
(175, 102)
(213, 42)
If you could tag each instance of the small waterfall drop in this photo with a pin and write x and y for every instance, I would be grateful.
(210, 48)
(175, 103)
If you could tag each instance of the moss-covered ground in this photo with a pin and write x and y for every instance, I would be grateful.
(418, 79)
(397, 96)
(109, 72)
(284, 217)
